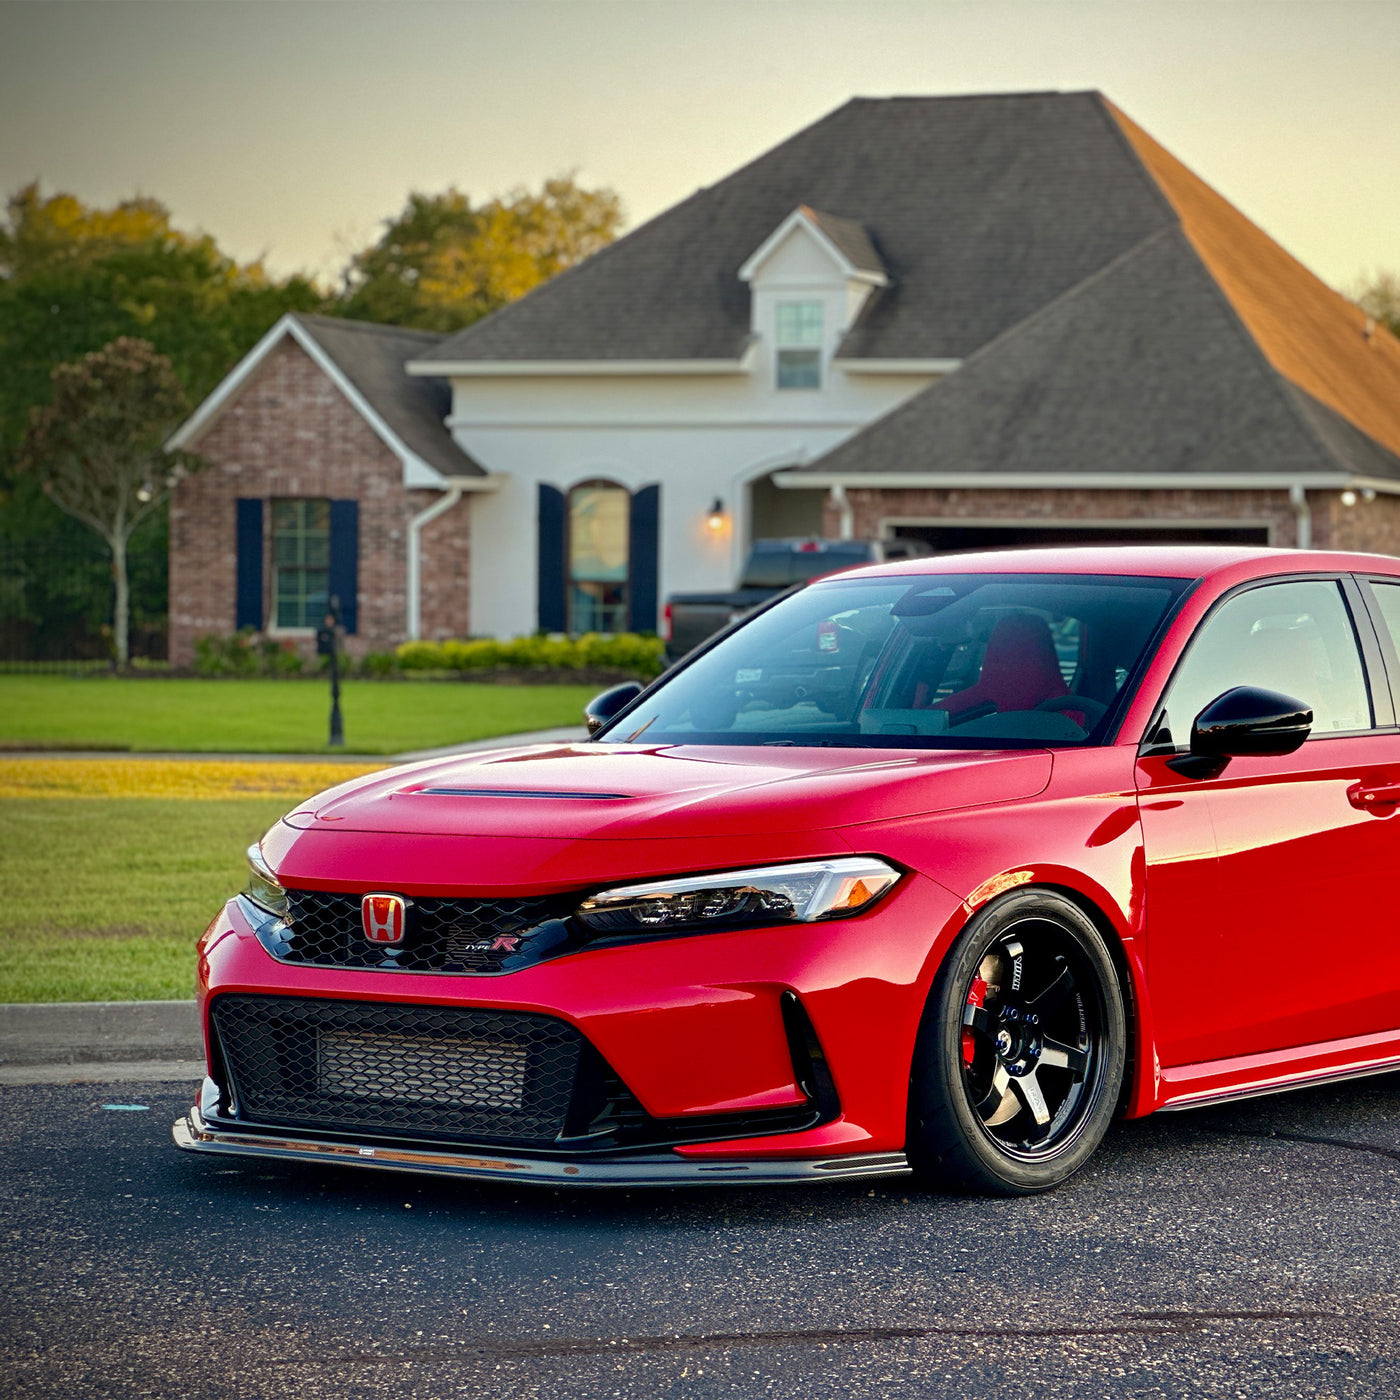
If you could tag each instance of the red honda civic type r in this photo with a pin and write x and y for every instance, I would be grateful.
(931, 866)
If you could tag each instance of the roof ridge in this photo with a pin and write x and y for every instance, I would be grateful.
(374, 327)
(1071, 293)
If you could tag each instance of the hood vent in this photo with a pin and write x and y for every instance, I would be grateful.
(517, 792)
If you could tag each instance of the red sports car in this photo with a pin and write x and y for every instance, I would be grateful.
(935, 865)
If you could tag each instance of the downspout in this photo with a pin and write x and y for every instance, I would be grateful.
(449, 498)
(847, 526)
(1302, 516)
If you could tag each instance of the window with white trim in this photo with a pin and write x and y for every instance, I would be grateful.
(799, 340)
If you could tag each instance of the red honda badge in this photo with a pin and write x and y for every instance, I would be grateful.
(383, 917)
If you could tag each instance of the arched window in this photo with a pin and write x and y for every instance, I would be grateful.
(598, 518)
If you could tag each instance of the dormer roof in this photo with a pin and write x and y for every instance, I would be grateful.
(845, 240)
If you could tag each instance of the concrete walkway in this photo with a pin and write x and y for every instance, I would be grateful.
(93, 1041)
(569, 734)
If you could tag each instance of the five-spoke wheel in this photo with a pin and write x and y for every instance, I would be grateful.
(1020, 1057)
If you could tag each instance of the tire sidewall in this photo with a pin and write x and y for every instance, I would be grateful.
(936, 1082)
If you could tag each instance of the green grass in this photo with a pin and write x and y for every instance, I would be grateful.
(104, 898)
(269, 716)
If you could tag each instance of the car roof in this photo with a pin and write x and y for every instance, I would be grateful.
(1153, 561)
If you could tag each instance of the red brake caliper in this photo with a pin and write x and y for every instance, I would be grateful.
(976, 996)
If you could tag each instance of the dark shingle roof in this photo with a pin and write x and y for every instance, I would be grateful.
(372, 358)
(852, 239)
(1143, 368)
(983, 210)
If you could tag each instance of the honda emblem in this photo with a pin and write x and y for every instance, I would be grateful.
(384, 917)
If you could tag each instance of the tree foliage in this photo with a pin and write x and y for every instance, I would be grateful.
(73, 278)
(443, 262)
(1379, 296)
(97, 449)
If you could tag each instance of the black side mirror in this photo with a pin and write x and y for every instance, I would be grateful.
(1246, 721)
(611, 703)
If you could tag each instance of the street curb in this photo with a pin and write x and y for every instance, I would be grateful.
(98, 1032)
(123, 1072)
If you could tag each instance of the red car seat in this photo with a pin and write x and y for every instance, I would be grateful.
(1019, 671)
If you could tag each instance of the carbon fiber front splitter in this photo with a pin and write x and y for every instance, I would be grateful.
(658, 1169)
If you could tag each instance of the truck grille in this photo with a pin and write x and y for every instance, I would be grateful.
(428, 1071)
(444, 935)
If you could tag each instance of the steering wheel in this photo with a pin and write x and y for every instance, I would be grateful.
(1092, 710)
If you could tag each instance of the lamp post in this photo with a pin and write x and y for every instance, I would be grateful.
(328, 644)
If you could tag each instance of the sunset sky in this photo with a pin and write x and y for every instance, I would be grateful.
(292, 129)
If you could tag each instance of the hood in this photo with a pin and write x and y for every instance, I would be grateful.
(618, 792)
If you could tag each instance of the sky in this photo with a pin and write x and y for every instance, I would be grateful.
(291, 129)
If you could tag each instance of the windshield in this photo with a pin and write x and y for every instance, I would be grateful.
(920, 661)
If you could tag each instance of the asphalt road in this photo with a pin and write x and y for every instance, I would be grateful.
(1243, 1252)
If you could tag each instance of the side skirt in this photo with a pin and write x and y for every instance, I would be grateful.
(1276, 1072)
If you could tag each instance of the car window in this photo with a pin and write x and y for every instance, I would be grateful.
(1388, 596)
(982, 661)
(1295, 638)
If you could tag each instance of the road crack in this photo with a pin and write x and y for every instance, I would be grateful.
(1140, 1324)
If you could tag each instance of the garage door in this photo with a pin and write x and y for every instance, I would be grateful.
(953, 538)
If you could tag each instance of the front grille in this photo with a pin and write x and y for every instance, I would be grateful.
(428, 1071)
(323, 929)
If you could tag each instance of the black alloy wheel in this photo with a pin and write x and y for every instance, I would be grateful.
(1020, 1057)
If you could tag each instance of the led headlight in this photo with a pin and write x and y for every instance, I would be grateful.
(801, 893)
(262, 888)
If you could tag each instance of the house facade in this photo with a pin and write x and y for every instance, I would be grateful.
(982, 321)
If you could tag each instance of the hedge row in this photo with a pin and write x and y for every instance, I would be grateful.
(624, 651)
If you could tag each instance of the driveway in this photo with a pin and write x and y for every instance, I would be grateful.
(1249, 1252)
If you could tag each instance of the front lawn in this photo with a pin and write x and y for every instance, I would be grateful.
(273, 716)
(104, 897)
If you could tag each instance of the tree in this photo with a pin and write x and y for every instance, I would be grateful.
(97, 449)
(1379, 296)
(73, 278)
(442, 263)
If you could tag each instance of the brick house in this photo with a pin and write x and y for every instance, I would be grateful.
(982, 321)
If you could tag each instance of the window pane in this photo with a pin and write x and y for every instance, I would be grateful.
(301, 548)
(799, 323)
(599, 518)
(1294, 638)
(799, 369)
(1388, 596)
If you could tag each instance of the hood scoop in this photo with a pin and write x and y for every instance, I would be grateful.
(521, 792)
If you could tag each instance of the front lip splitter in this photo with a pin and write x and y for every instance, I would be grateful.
(193, 1134)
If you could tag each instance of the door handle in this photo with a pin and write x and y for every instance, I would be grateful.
(1369, 795)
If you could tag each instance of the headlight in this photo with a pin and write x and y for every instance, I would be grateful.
(262, 887)
(773, 894)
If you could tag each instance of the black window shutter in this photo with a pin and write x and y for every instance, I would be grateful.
(643, 549)
(345, 560)
(248, 585)
(553, 614)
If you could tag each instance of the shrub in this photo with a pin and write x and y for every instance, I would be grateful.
(378, 664)
(246, 654)
(627, 651)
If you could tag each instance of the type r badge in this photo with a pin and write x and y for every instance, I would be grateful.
(384, 917)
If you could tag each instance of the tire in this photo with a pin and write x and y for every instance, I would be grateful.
(1015, 1080)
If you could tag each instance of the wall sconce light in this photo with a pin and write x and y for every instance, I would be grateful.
(1348, 498)
(715, 518)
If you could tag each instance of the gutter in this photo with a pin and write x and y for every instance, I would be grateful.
(449, 498)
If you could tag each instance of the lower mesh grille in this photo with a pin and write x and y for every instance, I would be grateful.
(430, 1071)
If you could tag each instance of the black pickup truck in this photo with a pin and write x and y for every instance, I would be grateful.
(773, 565)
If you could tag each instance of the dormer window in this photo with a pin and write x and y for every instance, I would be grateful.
(798, 337)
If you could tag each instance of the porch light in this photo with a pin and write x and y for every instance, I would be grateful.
(715, 518)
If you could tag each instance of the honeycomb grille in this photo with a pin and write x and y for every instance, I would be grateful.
(440, 1072)
(443, 935)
